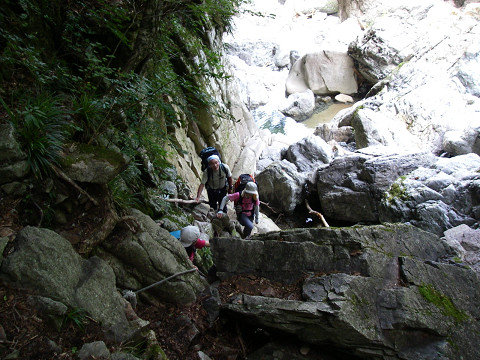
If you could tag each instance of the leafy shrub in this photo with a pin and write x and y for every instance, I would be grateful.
(75, 316)
(43, 128)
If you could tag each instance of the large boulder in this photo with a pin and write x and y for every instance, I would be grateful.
(308, 153)
(150, 255)
(323, 72)
(436, 197)
(299, 106)
(350, 188)
(280, 185)
(46, 263)
(374, 292)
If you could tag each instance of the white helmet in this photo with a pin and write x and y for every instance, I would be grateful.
(251, 188)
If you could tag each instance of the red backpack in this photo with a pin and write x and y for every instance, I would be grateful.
(240, 184)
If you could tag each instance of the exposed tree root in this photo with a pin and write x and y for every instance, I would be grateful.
(65, 177)
(316, 213)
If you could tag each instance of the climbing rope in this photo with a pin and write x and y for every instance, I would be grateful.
(131, 296)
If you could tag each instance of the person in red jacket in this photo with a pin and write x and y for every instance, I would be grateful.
(192, 239)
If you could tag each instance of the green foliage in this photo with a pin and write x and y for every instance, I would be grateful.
(135, 348)
(128, 74)
(441, 301)
(75, 316)
(397, 191)
(90, 114)
(206, 257)
(127, 196)
(43, 127)
(275, 128)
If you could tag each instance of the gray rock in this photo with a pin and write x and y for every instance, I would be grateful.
(305, 7)
(47, 305)
(93, 164)
(281, 185)
(3, 245)
(14, 171)
(14, 188)
(9, 147)
(46, 263)
(459, 142)
(148, 256)
(399, 51)
(95, 350)
(374, 292)
(467, 243)
(324, 72)
(343, 194)
(436, 197)
(168, 189)
(468, 69)
(299, 105)
(373, 128)
(308, 153)
(352, 187)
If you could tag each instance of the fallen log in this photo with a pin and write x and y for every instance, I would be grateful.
(185, 201)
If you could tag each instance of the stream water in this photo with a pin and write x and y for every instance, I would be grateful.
(276, 122)
(324, 117)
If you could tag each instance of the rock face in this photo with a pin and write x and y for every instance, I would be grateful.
(421, 64)
(378, 292)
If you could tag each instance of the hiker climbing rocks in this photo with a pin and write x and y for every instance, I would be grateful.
(246, 206)
(217, 178)
(192, 239)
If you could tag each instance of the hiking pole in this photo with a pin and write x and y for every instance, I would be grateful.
(131, 296)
